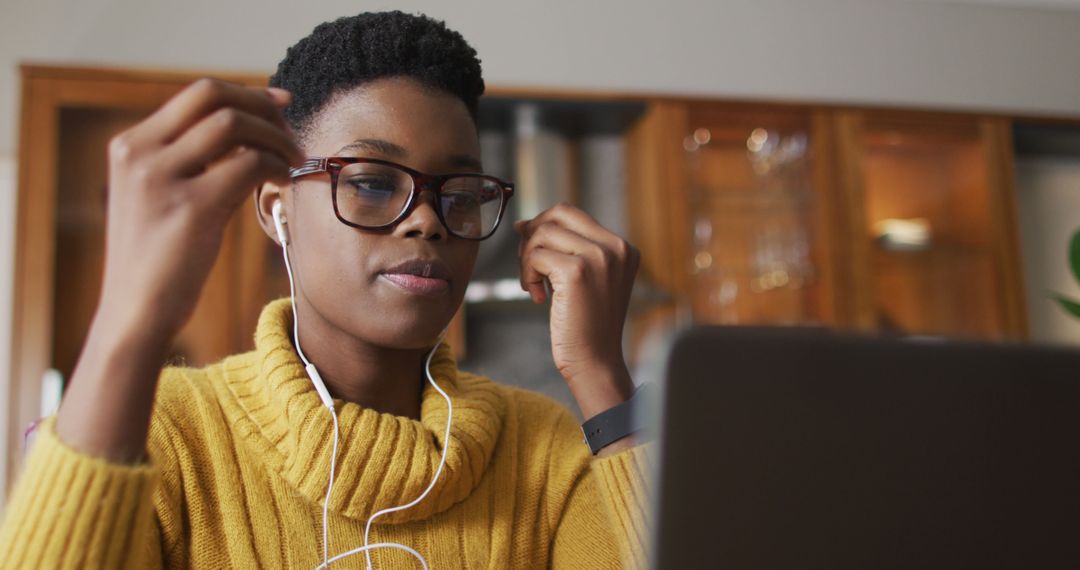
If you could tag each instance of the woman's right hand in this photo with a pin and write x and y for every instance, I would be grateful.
(175, 179)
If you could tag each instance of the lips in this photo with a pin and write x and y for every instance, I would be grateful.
(428, 277)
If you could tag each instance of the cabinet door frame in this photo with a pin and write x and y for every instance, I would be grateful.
(994, 135)
(660, 206)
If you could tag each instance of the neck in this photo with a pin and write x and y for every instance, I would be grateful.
(383, 379)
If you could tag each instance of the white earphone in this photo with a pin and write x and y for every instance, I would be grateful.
(328, 402)
(316, 380)
(279, 223)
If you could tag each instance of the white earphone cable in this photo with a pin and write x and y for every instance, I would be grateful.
(438, 471)
(371, 547)
(366, 548)
(333, 413)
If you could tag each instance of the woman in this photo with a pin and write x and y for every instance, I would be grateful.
(228, 466)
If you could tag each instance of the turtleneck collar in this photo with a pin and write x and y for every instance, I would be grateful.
(383, 460)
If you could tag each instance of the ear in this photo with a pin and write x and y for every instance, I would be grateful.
(265, 197)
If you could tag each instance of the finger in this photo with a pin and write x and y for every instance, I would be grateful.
(556, 267)
(582, 223)
(553, 237)
(576, 220)
(206, 96)
(223, 131)
(532, 281)
(229, 181)
(556, 237)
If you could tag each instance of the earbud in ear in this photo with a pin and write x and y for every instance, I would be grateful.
(279, 223)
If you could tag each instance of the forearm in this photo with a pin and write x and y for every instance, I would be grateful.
(601, 388)
(106, 408)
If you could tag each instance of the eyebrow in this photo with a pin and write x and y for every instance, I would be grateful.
(387, 148)
(375, 145)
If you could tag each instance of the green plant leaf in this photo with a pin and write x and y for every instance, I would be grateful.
(1069, 305)
(1074, 255)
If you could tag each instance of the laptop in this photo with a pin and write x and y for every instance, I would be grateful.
(791, 448)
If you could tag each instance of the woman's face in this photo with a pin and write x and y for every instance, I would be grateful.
(352, 278)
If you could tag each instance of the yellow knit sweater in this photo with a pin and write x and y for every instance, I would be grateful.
(239, 455)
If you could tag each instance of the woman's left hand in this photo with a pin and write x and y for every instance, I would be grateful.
(591, 272)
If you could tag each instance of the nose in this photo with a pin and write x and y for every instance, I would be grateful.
(423, 221)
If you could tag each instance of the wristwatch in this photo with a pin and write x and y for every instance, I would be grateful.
(613, 424)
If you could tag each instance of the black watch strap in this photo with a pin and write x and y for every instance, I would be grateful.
(613, 424)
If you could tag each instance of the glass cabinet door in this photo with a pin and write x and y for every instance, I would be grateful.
(755, 239)
(927, 199)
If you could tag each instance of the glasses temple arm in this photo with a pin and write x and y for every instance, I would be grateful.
(309, 166)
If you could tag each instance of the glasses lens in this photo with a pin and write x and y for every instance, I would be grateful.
(471, 205)
(372, 194)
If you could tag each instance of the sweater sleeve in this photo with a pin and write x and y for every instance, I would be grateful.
(71, 510)
(609, 506)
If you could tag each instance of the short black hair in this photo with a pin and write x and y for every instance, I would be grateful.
(354, 50)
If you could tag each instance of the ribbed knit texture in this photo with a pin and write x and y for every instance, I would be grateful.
(240, 455)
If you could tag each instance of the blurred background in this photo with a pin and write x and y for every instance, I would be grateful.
(898, 167)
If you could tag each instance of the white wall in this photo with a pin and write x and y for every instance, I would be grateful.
(1048, 191)
(898, 52)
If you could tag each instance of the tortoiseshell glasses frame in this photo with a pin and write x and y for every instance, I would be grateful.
(448, 190)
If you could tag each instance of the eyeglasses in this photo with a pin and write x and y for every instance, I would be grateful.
(373, 194)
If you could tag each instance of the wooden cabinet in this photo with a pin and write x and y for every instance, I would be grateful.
(733, 208)
(757, 240)
(932, 214)
(788, 214)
